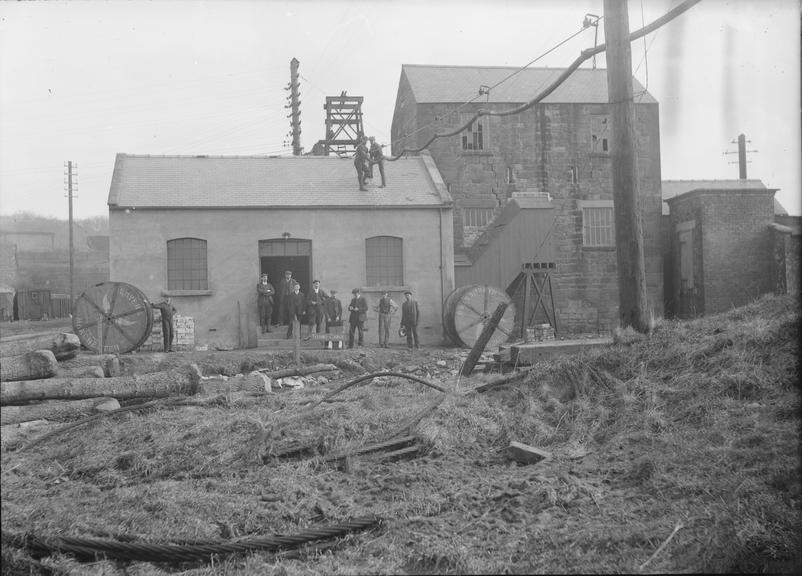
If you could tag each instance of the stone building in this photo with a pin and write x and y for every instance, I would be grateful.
(553, 162)
(201, 230)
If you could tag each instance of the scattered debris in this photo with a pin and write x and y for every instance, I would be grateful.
(526, 454)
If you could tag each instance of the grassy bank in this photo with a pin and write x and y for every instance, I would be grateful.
(677, 452)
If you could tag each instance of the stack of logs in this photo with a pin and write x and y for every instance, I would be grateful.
(45, 380)
(39, 375)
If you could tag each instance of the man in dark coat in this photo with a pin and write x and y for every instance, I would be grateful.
(284, 292)
(409, 319)
(316, 307)
(334, 311)
(361, 162)
(377, 157)
(358, 309)
(167, 310)
(295, 308)
(264, 301)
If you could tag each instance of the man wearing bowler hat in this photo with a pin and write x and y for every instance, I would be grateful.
(285, 289)
(358, 309)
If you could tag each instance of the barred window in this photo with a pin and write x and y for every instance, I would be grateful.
(598, 226)
(599, 134)
(475, 136)
(186, 264)
(476, 216)
(385, 261)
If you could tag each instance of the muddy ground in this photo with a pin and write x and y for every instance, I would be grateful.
(676, 452)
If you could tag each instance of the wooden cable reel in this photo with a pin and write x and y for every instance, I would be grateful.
(112, 317)
(468, 308)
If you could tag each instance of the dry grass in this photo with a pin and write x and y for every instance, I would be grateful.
(695, 425)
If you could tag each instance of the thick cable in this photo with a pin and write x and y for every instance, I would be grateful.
(92, 549)
(584, 55)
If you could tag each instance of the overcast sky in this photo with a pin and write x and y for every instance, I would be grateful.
(83, 81)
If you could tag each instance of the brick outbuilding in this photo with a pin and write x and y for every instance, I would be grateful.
(201, 230)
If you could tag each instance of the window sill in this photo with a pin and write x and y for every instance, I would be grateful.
(598, 248)
(599, 154)
(172, 293)
(476, 153)
(383, 289)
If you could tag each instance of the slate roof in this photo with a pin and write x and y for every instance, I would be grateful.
(458, 84)
(265, 182)
(672, 188)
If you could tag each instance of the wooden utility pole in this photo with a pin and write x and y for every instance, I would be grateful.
(295, 108)
(633, 306)
(72, 256)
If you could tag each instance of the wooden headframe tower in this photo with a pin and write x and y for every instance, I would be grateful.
(343, 123)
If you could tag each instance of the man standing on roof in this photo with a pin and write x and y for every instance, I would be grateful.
(361, 161)
(377, 157)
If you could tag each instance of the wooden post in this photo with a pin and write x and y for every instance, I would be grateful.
(296, 330)
(628, 225)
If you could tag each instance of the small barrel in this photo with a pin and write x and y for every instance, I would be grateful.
(468, 308)
(112, 317)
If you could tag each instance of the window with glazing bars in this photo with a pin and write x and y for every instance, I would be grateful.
(476, 216)
(598, 227)
(186, 264)
(384, 261)
(474, 137)
(599, 134)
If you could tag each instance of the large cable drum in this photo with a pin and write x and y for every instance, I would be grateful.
(112, 317)
(468, 308)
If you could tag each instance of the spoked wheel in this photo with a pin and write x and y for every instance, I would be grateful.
(112, 317)
(467, 309)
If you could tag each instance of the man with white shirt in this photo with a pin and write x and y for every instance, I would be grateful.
(316, 307)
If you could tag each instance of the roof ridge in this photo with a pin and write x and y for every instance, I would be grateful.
(487, 66)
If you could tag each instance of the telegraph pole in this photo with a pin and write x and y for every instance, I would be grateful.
(295, 105)
(72, 257)
(742, 161)
(633, 306)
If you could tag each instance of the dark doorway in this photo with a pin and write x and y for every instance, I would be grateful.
(278, 255)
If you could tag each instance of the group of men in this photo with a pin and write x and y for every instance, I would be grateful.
(319, 309)
(365, 158)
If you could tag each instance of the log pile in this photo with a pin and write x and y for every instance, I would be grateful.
(46, 381)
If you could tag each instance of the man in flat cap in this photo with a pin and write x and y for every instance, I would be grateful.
(358, 309)
(409, 319)
(264, 302)
(315, 307)
(334, 311)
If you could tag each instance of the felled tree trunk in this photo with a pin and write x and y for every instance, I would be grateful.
(29, 366)
(110, 363)
(155, 385)
(56, 410)
(81, 372)
(13, 435)
(63, 345)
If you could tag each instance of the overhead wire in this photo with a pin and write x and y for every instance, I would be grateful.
(667, 17)
(476, 97)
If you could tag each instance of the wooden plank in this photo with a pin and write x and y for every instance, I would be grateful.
(526, 454)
